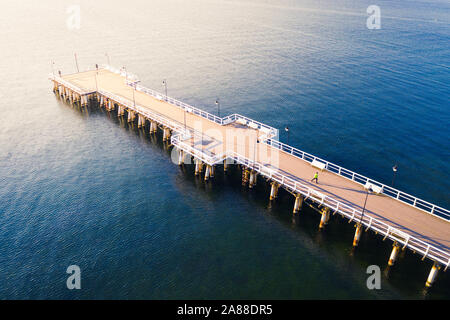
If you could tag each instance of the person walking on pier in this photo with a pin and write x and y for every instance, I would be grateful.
(316, 177)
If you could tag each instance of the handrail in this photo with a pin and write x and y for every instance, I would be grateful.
(123, 72)
(420, 204)
(144, 111)
(68, 85)
(269, 131)
(349, 211)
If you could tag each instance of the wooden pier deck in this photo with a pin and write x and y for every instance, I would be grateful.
(408, 221)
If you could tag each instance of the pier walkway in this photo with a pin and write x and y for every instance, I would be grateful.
(406, 220)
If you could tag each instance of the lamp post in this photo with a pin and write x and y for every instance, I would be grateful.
(76, 62)
(365, 201)
(96, 82)
(287, 130)
(218, 107)
(165, 86)
(126, 74)
(394, 169)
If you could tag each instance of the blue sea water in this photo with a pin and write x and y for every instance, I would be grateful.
(82, 188)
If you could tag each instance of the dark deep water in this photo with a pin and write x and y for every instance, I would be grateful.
(84, 189)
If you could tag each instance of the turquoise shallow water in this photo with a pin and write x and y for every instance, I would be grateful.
(84, 189)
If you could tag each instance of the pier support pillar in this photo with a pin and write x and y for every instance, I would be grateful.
(358, 233)
(120, 110)
(71, 94)
(207, 172)
(131, 116)
(141, 121)
(253, 179)
(212, 170)
(298, 203)
(432, 275)
(166, 134)
(274, 190)
(225, 165)
(394, 254)
(325, 218)
(180, 157)
(245, 176)
(153, 126)
(198, 166)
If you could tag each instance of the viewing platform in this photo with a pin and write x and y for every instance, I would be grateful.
(211, 141)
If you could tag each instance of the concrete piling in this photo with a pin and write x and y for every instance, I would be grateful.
(298, 203)
(394, 254)
(358, 233)
(245, 176)
(120, 110)
(325, 217)
(207, 172)
(153, 127)
(274, 190)
(166, 134)
(141, 121)
(432, 276)
(131, 115)
(253, 179)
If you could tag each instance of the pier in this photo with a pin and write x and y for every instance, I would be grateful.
(211, 142)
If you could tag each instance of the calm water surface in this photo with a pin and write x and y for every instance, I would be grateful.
(83, 188)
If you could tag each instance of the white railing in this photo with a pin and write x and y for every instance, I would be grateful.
(67, 84)
(122, 71)
(177, 127)
(178, 103)
(350, 212)
(269, 131)
(362, 180)
(353, 213)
